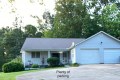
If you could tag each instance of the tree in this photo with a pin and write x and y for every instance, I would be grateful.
(45, 24)
(1, 57)
(2, 54)
(13, 41)
(104, 16)
(31, 31)
(111, 20)
(70, 19)
(48, 24)
(83, 18)
(48, 18)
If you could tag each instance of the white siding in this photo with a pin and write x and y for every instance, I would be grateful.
(43, 54)
(23, 57)
(95, 42)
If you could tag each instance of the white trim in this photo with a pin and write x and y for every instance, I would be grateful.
(49, 55)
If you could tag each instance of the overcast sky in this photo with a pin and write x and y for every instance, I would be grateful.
(23, 9)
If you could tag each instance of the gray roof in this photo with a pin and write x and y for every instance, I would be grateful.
(33, 44)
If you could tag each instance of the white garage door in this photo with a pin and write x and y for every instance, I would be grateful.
(89, 56)
(111, 55)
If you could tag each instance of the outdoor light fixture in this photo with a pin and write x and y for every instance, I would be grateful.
(101, 42)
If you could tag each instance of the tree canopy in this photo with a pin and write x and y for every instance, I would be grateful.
(83, 18)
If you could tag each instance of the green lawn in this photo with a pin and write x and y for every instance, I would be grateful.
(12, 75)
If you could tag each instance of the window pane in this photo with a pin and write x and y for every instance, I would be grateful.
(33, 55)
(37, 54)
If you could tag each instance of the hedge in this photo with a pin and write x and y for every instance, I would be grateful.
(12, 67)
(53, 61)
(75, 65)
(35, 66)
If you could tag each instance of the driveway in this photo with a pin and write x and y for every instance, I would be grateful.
(83, 72)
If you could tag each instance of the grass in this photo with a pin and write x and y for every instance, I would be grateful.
(12, 75)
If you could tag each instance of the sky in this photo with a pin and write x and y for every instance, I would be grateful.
(23, 9)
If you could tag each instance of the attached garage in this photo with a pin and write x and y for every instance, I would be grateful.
(89, 56)
(111, 55)
(99, 48)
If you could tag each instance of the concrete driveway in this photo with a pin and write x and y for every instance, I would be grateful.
(84, 72)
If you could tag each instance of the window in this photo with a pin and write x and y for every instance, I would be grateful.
(35, 55)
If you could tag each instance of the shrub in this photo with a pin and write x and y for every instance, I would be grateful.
(12, 67)
(17, 60)
(53, 61)
(75, 64)
(35, 66)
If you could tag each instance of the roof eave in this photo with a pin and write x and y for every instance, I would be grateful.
(45, 49)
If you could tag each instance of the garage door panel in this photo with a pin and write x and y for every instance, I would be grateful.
(111, 56)
(89, 57)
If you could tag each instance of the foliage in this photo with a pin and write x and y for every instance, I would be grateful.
(111, 20)
(53, 61)
(45, 24)
(78, 18)
(12, 67)
(75, 65)
(48, 18)
(31, 31)
(70, 19)
(104, 16)
(12, 42)
(1, 61)
(2, 57)
(17, 59)
(35, 66)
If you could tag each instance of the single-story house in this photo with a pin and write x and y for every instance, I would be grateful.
(99, 48)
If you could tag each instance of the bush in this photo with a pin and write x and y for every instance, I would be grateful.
(17, 60)
(53, 61)
(75, 64)
(12, 67)
(35, 66)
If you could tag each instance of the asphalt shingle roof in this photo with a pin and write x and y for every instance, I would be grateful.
(49, 43)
